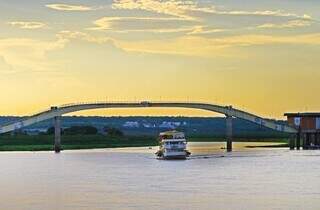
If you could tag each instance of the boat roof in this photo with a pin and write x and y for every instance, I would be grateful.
(173, 132)
(173, 140)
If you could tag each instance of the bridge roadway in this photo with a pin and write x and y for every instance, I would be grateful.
(230, 112)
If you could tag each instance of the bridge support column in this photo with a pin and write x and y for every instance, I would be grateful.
(57, 134)
(229, 132)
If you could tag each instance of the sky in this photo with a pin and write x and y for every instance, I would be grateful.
(260, 56)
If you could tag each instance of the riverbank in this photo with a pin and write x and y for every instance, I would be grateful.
(73, 142)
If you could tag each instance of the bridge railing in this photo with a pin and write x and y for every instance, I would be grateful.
(130, 102)
(25, 117)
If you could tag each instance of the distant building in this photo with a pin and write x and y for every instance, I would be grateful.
(309, 126)
(34, 131)
(131, 124)
(148, 125)
(170, 125)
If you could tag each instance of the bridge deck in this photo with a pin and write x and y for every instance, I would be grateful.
(69, 108)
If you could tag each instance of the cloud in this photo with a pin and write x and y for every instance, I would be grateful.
(27, 24)
(28, 54)
(111, 23)
(211, 47)
(31, 55)
(66, 36)
(189, 45)
(198, 30)
(289, 24)
(184, 9)
(69, 7)
(275, 13)
(191, 30)
(175, 8)
(107, 23)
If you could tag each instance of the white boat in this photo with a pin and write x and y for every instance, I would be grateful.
(173, 145)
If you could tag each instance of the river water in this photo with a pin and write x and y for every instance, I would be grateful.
(134, 179)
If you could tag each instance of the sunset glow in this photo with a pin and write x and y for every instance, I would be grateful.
(261, 56)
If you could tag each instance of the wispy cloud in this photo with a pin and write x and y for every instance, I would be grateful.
(183, 9)
(107, 23)
(69, 7)
(110, 23)
(289, 24)
(211, 47)
(274, 13)
(196, 45)
(27, 24)
(190, 30)
(169, 7)
(205, 30)
(66, 36)
(28, 54)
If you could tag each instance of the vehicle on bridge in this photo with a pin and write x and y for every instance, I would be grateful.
(173, 145)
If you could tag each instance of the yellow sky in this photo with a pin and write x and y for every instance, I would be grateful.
(256, 56)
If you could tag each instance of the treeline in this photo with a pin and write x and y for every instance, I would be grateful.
(86, 130)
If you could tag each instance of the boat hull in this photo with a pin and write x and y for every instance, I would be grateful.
(172, 155)
(176, 157)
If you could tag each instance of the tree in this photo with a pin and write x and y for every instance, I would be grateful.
(80, 130)
(112, 131)
(50, 131)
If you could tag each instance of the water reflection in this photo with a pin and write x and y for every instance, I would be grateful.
(134, 179)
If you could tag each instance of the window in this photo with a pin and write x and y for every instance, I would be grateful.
(297, 121)
(318, 123)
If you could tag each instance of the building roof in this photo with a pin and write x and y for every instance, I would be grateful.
(303, 114)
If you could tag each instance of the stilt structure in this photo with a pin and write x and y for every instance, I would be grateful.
(229, 132)
(308, 127)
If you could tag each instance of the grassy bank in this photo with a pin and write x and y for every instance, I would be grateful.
(45, 142)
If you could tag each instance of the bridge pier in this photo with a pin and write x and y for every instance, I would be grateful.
(57, 134)
(229, 132)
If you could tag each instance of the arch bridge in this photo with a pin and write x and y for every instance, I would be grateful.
(57, 111)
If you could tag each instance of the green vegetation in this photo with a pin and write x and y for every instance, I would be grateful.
(76, 130)
(236, 139)
(45, 142)
(113, 131)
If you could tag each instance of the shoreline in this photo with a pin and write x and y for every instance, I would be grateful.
(82, 142)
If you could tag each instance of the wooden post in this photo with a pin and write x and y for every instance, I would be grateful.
(308, 140)
(316, 139)
(298, 140)
(57, 134)
(229, 132)
(305, 140)
(291, 141)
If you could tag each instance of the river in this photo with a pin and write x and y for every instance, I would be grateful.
(132, 178)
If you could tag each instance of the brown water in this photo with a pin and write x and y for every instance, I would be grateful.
(134, 179)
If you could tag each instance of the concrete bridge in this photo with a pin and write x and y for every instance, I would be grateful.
(57, 111)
